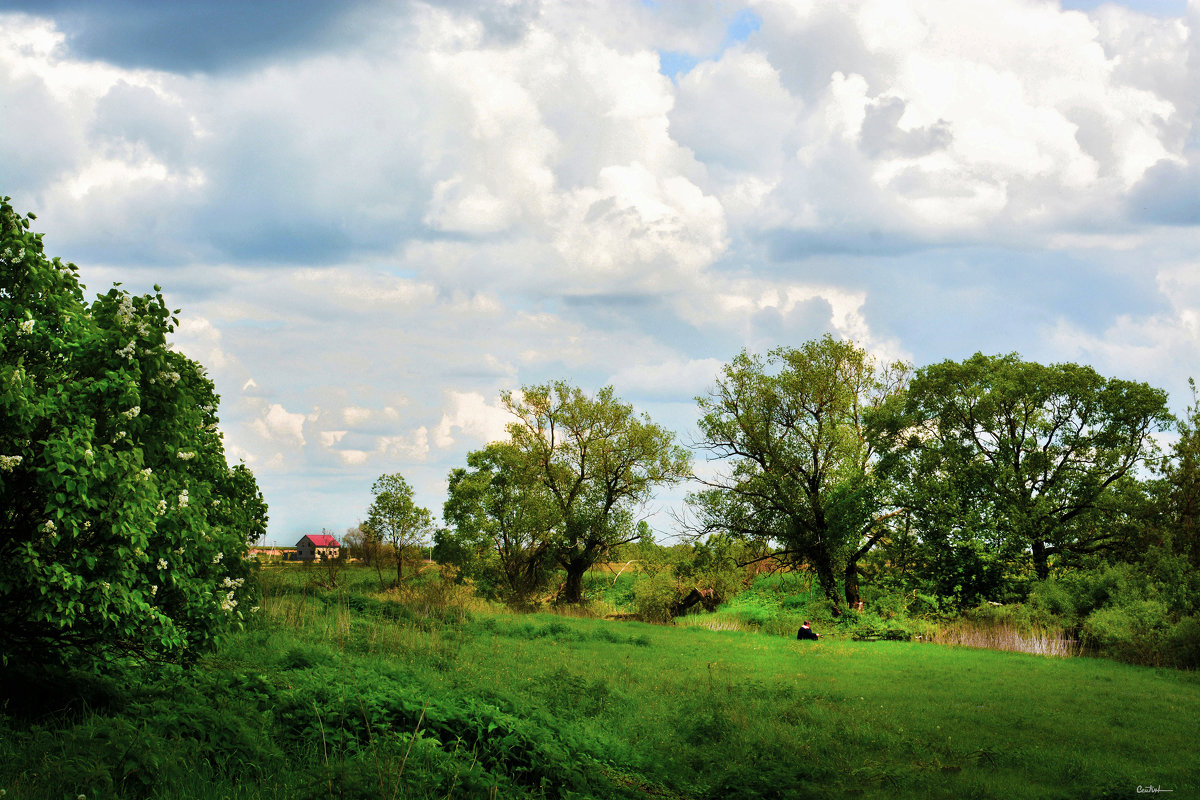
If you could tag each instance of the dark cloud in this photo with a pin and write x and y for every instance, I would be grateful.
(882, 135)
(1168, 194)
(188, 37)
(785, 244)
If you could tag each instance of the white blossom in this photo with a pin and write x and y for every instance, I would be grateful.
(25, 327)
(228, 604)
(183, 499)
(131, 413)
(217, 558)
(8, 462)
(88, 454)
(162, 563)
(182, 456)
(127, 352)
(49, 527)
(153, 590)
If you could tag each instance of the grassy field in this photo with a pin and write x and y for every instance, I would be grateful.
(352, 693)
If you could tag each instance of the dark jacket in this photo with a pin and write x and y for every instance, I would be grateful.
(806, 633)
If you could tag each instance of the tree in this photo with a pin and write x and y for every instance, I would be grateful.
(122, 527)
(395, 519)
(598, 461)
(503, 522)
(1182, 472)
(1031, 456)
(801, 474)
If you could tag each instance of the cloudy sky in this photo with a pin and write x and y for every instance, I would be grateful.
(376, 216)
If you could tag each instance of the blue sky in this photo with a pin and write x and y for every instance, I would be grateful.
(376, 217)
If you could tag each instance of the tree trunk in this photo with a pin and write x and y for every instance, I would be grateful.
(853, 596)
(572, 591)
(825, 575)
(1041, 560)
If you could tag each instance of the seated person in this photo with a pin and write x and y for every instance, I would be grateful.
(806, 632)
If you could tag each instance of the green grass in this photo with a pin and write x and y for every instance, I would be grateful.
(353, 694)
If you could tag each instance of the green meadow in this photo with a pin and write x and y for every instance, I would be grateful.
(353, 693)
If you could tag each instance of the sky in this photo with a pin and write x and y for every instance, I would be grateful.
(378, 216)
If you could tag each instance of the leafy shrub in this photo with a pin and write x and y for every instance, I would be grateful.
(1130, 632)
(1182, 643)
(124, 527)
(654, 596)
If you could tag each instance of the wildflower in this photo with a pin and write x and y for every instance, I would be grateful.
(162, 563)
(131, 413)
(183, 499)
(26, 327)
(49, 527)
(88, 454)
(182, 456)
(8, 462)
(217, 558)
(162, 508)
(120, 435)
(154, 591)
(127, 352)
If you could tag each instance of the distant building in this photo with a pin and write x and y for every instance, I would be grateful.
(317, 546)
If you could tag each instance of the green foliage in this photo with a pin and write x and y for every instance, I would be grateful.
(1013, 457)
(329, 694)
(122, 527)
(801, 474)
(396, 520)
(503, 521)
(597, 462)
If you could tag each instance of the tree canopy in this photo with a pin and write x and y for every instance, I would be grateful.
(394, 518)
(122, 527)
(1020, 454)
(800, 474)
(598, 462)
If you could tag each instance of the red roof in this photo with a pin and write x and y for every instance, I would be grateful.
(321, 540)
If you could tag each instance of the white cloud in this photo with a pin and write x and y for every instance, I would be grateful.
(280, 426)
(473, 415)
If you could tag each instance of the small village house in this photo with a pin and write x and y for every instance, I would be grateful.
(316, 547)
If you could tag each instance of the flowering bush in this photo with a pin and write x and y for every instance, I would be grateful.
(116, 502)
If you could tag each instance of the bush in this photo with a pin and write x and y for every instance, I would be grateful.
(654, 596)
(124, 529)
(1131, 632)
(1182, 643)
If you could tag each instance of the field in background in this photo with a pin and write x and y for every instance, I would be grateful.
(356, 693)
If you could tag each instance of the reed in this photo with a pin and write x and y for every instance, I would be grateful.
(1037, 641)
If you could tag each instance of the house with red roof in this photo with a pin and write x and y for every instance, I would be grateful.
(317, 546)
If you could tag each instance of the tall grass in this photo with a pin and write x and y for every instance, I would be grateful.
(357, 693)
(1004, 636)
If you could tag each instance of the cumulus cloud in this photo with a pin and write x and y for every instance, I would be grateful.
(377, 216)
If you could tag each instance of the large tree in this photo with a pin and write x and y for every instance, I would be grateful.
(598, 461)
(122, 526)
(1183, 484)
(503, 522)
(1035, 455)
(800, 471)
(395, 519)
